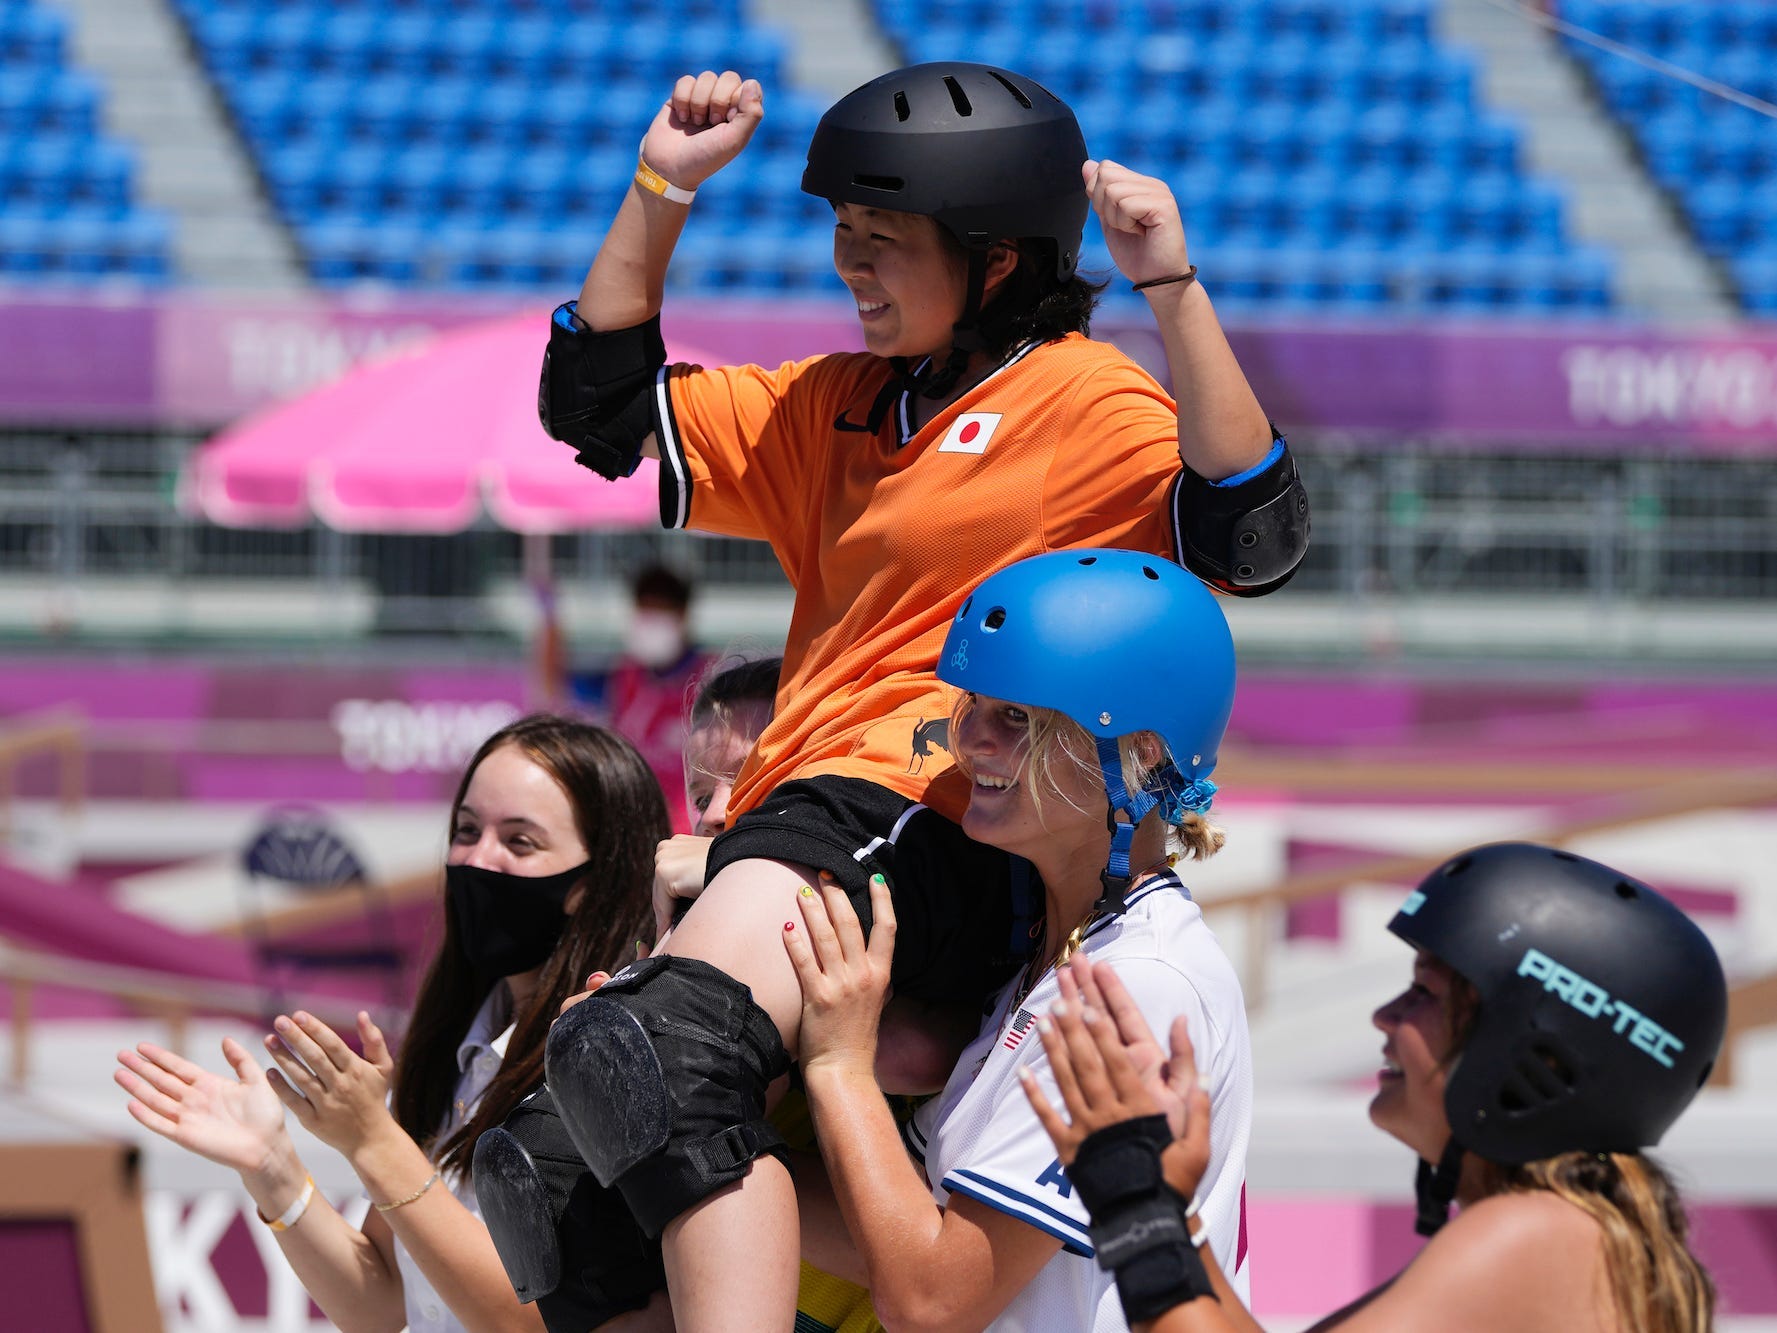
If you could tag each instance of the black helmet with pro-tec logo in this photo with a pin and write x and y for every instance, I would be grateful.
(1601, 1006)
(989, 154)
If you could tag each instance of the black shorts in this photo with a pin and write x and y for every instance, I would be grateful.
(965, 913)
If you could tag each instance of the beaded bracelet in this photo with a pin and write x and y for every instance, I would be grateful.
(402, 1203)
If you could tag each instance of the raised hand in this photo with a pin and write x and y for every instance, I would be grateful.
(845, 982)
(337, 1094)
(1141, 221)
(705, 123)
(1106, 1069)
(236, 1122)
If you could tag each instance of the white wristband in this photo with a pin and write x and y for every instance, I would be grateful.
(293, 1214)
(1199, 1237)
(654, 183)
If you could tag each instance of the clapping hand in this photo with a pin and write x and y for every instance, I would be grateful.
(1108, 1068)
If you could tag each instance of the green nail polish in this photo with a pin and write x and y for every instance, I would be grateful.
(878, 879)
(806, 892)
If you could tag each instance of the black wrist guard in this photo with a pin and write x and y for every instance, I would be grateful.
(1138, 1229)
(1248, 538)
(595, 390)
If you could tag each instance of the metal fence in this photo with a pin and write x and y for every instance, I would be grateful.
(94, 516)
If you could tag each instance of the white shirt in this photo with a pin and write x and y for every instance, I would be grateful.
(479, 1057)
(980, 1138)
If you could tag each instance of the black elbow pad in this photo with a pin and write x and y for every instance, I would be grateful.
(594, 393)
(1245, 539)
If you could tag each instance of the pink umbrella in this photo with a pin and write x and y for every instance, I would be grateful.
(423, 440)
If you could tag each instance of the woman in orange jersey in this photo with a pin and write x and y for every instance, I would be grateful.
(979, 427)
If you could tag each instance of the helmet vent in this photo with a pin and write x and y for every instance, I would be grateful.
(889, 184)
(958, 97)
(994, 618)
(1563, 856)
(902, 110)
(1089, 560)
(1536, 1079)
(966, 605)
(1626, 890)
(1151, 572)
(1015, 90)
(1456, 867)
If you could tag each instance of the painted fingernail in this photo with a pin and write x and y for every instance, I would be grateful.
(878, 879)
(1058, 1009)
(1088, 1014)
(1042, 1025)
(639, 947)
(806, 892)
(789, 925)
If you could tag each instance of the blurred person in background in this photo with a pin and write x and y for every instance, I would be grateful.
(980, 426)
(552, 837)
(641, 695)
(1561, 1017)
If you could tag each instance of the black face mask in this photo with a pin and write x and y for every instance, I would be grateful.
(508, 923)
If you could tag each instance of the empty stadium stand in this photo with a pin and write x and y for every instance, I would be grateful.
(1331, 154)
(68, 205)
(1715, 159)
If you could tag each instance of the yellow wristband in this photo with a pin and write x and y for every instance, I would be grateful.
(654, 183)
(402, 1203)
(293, 1214)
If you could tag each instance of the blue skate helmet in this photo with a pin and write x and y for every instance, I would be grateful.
(1119, 641)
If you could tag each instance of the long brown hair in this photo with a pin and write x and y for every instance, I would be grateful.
(620, 815)
(1656, 1283)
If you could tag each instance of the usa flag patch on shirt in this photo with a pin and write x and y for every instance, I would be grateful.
(1020, 1026)
(970, 432)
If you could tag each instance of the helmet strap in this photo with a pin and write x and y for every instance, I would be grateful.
(1435, 1187)
(1115, 876)
(965, 334)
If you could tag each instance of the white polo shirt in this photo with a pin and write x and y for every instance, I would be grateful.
(479, 1057)
(980, 1138)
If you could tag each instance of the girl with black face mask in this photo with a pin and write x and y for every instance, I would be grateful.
(552, 837)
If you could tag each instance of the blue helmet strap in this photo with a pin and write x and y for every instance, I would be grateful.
(1134, 805)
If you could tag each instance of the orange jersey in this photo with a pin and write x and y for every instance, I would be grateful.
(882, 535)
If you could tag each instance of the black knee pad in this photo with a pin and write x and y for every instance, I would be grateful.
(567, 1243)
(660, 1079)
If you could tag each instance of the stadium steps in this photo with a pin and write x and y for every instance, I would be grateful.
(191, 163)
(1613, 203)
(838, 44)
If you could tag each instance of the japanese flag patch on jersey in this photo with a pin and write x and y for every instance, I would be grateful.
(970, 432)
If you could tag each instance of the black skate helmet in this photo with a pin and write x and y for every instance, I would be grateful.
(987, 153)
(1601, 1005)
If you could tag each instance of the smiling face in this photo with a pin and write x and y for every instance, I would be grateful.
(515, 818)
(1417, 1023)
(1047, 811)
(713, 756)
(908, 278)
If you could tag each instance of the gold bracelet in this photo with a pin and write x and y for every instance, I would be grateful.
(654, 183)
(402, 1203)
(293, 1214)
